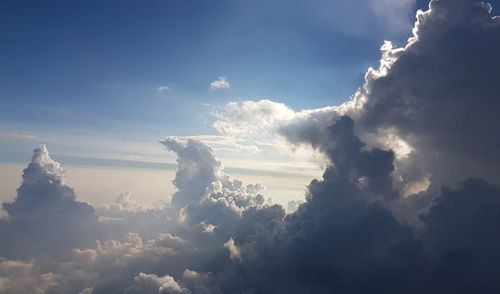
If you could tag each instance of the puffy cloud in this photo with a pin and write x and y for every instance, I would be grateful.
(461, 235)
(294, 205)
(208, 228)
(155, 284)
(386, 217)
(198, 166)
(434, 104)
(22, 277)
(46, 218)
(205, 195)
(433, 101)
(341, 238)
(200, 283)
(264, 117)
(439, 92)
(190, 282)
(220, 84)
(234, 251)
(124, 204)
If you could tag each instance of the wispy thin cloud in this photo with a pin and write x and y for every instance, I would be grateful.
(16, 136)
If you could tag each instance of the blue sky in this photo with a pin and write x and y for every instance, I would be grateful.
(97, 64)
(84, 76)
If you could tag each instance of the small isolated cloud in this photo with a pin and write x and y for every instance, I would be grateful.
(220, 84)
(162, 89)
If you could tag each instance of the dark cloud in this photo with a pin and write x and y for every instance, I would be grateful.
(341, 239)
(461, 236)
(441, 94)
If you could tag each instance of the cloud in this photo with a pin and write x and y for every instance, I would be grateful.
(427, 103)
(191, 282)
(426, 97)
(198, 167)
(409, 201)
(234, 252)
(207, 201)
(123, 205)
(419, 102)
(328, 242)
(22, 277)
(220, 84)
(45, 218)
(162, 89)
(155, 284)
(13, 136)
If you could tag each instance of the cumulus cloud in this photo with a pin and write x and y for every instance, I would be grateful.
(234, 252)
(190, 282)
(428, 105)
(220, 84)
(155, 284)
(420, 101)
(201, 182)
(409, 201)
(123, 205)
(45, 218)
(427, 97)
(22, 277)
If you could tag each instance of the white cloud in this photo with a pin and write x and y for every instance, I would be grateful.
(207, 228)
(163, 284)
(162, 89)
(234, 251)
(123, 205)
(220, 84)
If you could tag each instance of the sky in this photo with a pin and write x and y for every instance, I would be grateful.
(194, 147)
(108, 80)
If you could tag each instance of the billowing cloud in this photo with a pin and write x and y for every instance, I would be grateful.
(220, 84)
(45, 218)
(433, 101)
(22, 277)
(155, 284)
(409, 201)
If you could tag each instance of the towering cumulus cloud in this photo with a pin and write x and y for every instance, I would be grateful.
(207, 200)
(45, 218)
(440, 92)
(409, 201)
